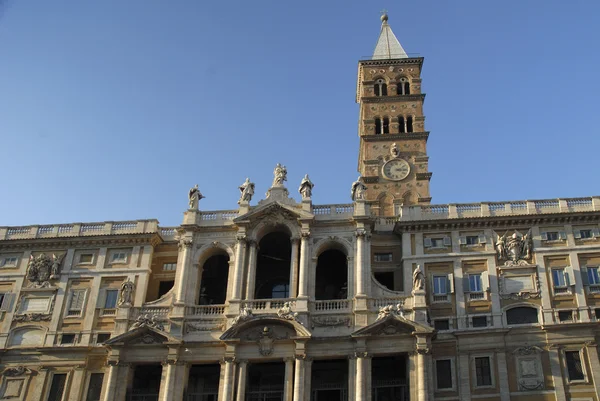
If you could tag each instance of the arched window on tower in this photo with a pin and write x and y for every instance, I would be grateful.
(409, 124)
(386, 125)
(403, 87)
(377, 126)
(380, 88)
(401, 125)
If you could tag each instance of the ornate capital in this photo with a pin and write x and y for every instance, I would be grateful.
(423, 351)
(361, 354)
(241, 237)
(361, 232)
(228, 359)
(305, 234)
(185, 243)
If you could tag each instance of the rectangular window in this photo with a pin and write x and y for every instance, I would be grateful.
(67, 339)
(95, 387)
(443, 373)
(119, 257)
(111, 299)
(9, 261)
(86, 258)
(440, 285)
(472, 240)
(584, 234)
(441, 324)
(574, 366)
(437, 242)
(565, 316)
(76, 303)
(102, 337)
(593, 276)
(383, 257)
(475, 283)
(169, 266)
(57, 387)
(479, 321)
(552, 236)
(483, 371)
(558, 278)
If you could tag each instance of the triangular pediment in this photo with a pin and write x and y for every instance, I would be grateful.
(275, 211)
(144, 335)
(393, 325)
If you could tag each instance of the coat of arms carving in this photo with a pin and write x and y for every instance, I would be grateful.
(42, 268)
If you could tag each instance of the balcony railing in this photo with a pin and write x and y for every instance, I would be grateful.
(329, 212)
(335, 305)
(79, 229)
(205, 310)
(268, 305)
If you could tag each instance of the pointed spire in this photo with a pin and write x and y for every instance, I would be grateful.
(388, 46)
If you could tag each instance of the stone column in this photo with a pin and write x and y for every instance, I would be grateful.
(556, 370)
(39, 384)
(288, 388)
(116, 380)
(238, 274)
(352, 377)
(464, 377)
(422, 374)
(592, 351)
(502, 376)
(185, 253)
(299, 379)
(77, 381)
(360, 263)
(304, 260)
(580, 295)
(362, 373)
(227, 379)
(294, 269)
(167, 382)
(307, 379)
(251, 279)
(241, 385)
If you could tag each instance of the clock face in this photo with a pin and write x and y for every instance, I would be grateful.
(396, 169)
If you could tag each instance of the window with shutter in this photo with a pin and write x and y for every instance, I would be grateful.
(447, 241)
(76, 302)
(427, 242)
(462, 240)
(111, 299)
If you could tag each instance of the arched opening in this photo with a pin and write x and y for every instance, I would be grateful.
(213, 284)
(377, 126)
(403, 87)
(386, 125)
(332, 275)
(273, 266)
(380, 88)
(401, 125)
(409, 124)
(522, 315)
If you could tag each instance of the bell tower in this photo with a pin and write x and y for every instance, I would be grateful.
(392, 158)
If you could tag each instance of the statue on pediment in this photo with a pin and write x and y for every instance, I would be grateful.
(194, 197)
(280, 174)
(358, 190)
(246, 191)
(306, 187)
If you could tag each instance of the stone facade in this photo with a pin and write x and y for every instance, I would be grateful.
(386, 298)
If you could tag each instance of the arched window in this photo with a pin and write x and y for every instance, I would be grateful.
(380, 87)
(522, 315)
(382, 125)
(401, 125)
(213, 284)
(332, 275)
(403, 87)
(409, 124)
(377, 126)
(273, 266)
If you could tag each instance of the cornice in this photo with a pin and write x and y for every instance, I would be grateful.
(395, 137)
(497, 221)
(74, 242)
(409, 60)
(395, 98)
(424, 176)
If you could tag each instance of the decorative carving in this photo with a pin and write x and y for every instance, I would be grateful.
(33, 317)
(527, 350)
(534, 293)
(423, 351)
(194, 197)
(361, 354)
(126, 295)
(42, 269)
(418, 279)
(16, 371)
(330, 321)
(515, 250)
(388, 329)
(529, 369)
(286, 312)
(357, 192)
(306, 187)
(396, 310)
(185, 243)
(246, 191)
(280, 174)
(192, 327)
(145, 339)
(394, 150)
(147, 320)
(266, 342)
(245, 315)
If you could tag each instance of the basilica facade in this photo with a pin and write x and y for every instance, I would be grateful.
(385, 298)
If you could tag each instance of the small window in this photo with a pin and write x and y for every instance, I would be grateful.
(9, 261)
(383, 257)
(483, 371)
(437, 242)
(479, 321)
(440, 285)
(565, 316)
(475, 283)
(409, 124)
(443, 373)
(522, 315)
(472, 240)
(597, 313)
(119, 257)
(552, 236)
(111, 299)
(584, 234)
(102, 337)
(401, 125)
(380, 88)
(403, 87)
(386, 126)
(593, 276)
(169, 266)
(67, 339)
(574, 366)
(559, 278)
(76, 302)
(57, 387)
(441, 324)
(86, 258)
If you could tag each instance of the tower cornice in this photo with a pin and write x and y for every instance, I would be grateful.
(389, 99)
(395, 137)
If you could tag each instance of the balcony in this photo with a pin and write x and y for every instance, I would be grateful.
(79, 229)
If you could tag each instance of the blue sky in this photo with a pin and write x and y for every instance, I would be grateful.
(112, 110)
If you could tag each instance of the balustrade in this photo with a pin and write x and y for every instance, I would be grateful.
(205, 310)
(335, 305)
(268, 305)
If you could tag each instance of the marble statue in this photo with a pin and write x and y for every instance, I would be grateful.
(286, 312)
(126, 294)
(280, 174)
(418, 279)
(246, 191)
(306, 187)
(194, 197)
(358, 190)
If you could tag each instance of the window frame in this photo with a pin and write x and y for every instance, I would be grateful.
(84, 253)
(169, 263)
(63, 344)
(5, 265)
(65, 392)
(376, 256)
(487, 318)
(585, 378)
(68, 308)
(449, 320)
(492, 370)
(123, 261)
(452, 374)
(567, 276)
(511, 307)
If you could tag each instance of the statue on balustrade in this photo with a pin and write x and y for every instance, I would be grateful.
(194, 197)
(280, 174)
(358, 190)
(306, 187)
(246, 190)
(418, 279)
(126, 294)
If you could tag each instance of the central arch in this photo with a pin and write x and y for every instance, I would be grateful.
(273, 265)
